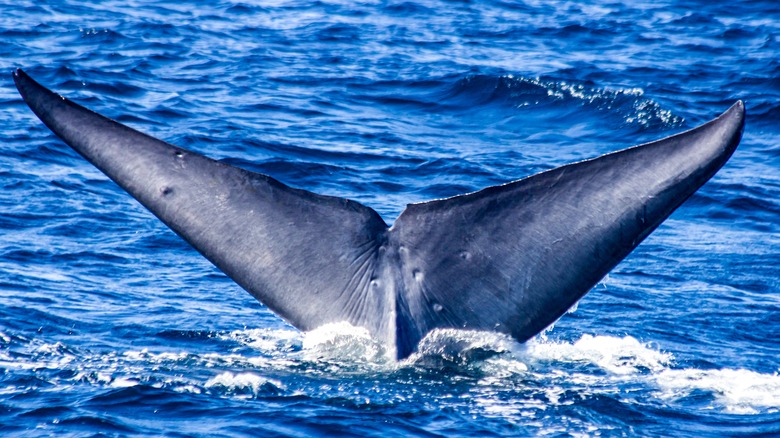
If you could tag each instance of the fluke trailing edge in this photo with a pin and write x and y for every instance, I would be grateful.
(510, 258)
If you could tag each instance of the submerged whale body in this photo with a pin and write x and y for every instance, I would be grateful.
(510, 258)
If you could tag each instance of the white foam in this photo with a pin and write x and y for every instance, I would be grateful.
(343, 342)
(267, 340)
(740, 391)
(191, 389)
(243, 382)
(460, 346)
(122, 382)
(145, 356)
(620, 356)
(590, 365)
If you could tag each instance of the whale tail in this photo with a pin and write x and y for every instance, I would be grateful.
(510, 258)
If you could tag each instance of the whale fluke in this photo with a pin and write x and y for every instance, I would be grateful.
(510, 258)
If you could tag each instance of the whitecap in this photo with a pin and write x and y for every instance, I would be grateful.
(616, 355)
(740, 391)
(626, 360)
(244, 383)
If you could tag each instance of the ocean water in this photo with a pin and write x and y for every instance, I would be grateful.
(112, 325)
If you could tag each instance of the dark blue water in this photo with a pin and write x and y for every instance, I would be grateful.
(110, 324)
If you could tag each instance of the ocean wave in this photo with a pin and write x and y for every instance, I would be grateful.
(540, 93)
(486, 362)
(244, 383)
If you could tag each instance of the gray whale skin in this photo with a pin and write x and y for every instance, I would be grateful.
(510, 258)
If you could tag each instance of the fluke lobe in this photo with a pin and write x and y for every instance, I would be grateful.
(510, 258)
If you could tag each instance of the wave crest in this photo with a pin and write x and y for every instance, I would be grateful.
(544, 94)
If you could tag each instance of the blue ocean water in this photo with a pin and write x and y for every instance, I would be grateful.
(110, 324)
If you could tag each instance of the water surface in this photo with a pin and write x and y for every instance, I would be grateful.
(111, 324)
